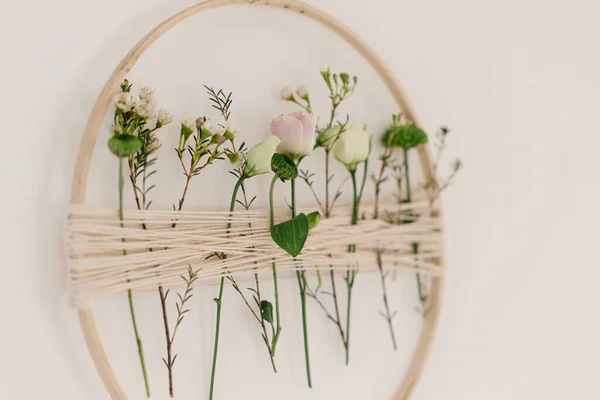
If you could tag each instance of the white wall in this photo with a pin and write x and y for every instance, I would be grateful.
(516, 80)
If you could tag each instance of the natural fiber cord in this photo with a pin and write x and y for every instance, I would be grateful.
(158, 253)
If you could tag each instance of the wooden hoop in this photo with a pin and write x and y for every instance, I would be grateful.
(79, 185)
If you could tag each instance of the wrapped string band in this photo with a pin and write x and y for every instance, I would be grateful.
(98, 268)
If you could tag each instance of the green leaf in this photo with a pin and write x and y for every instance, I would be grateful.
(291, 235)
(314, 218)
(124, 145)
(266, 311)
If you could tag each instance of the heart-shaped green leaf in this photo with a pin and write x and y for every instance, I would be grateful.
(291, 235)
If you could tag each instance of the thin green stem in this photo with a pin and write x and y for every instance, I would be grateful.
(300, 274)
(275, 283)
(407, 176)
(350, 277)
(351, 274)
(422, 295)
(136, 331)
(219, 300)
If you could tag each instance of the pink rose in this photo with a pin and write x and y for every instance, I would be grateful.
(296, 132)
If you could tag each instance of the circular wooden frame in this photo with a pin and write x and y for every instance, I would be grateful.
(78, 191)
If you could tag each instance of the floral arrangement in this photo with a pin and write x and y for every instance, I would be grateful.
(137, 122)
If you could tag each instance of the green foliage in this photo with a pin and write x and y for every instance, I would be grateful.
(266, 311)
(314, 218)
(406, 136)
(124, 145)
(291, 235)
(283, 167)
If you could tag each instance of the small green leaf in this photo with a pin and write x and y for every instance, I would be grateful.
(266, 311)
(314, 218)
(124, 145)
(291, 235)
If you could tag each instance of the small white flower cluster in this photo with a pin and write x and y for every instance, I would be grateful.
(144, 105)
(287, 93)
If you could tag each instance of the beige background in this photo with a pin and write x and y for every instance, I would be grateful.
(517, 81)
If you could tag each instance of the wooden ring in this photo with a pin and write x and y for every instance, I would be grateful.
(103, 102)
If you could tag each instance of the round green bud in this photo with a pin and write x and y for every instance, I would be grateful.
(124, 145)
(328, 136)
(283, 167)
(405, 136)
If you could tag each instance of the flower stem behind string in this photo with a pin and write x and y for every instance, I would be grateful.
(138, 339)
(351, 273)
(275, 284)
(219, 300)
(300, 274)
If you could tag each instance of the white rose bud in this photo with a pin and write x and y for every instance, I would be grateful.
(302, 92)
(164, 117)
(287, 94)
(258, 158)
(352, 147)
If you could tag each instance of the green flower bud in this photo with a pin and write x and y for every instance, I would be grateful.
(283, 167)
(345, 78)
(124, 145)
(328, 136)
(405, 136)
(233, 157)
(258, 158)
(314, 218)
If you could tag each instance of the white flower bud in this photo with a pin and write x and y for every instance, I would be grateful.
(302, 91)
(258, 158)
(352, 147)
(207, 125)
(147, 94)
(145, 110)
(328, 136)
(124, 101)
(189, 122)
(219, 130)
(323, 68)
(287, 94)
(164, 117)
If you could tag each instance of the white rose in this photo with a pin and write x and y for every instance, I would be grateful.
(258, 158)
(352, 147)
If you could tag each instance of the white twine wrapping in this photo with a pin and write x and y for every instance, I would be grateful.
(98, 268)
